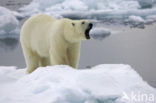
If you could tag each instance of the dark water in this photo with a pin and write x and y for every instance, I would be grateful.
(135, 47)
(11, 53)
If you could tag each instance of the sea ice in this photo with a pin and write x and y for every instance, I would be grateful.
(105, 83)
(112, 11)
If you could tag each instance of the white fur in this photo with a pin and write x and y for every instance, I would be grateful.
(48, 41)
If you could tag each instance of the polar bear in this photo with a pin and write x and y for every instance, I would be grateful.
(47, 41)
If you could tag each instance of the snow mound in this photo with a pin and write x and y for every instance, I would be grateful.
(8, 21)
(106, 83)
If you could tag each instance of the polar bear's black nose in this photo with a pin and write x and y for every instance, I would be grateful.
(90, 25)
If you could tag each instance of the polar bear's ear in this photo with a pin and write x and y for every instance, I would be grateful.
(73, 24)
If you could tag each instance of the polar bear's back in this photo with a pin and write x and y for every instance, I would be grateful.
(42, 17)
(36, 22)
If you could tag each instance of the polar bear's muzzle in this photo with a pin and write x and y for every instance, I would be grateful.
(88, 30)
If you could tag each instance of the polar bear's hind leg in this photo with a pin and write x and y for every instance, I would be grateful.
(32, 59)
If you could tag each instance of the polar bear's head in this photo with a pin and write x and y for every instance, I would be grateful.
(76, 30)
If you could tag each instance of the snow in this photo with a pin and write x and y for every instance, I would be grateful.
(8, 21)
(105, 83)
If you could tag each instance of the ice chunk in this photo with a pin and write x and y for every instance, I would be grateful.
(150, 19)
(8, 22)
(135, 21)
(99, 33)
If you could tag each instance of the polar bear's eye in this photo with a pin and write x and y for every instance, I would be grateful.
(73, 24)
(83, 22)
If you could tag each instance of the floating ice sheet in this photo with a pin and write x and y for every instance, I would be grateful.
(106, 83)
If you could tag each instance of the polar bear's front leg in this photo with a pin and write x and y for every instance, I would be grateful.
(58, 57)
(74, 54)
(44, 61)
